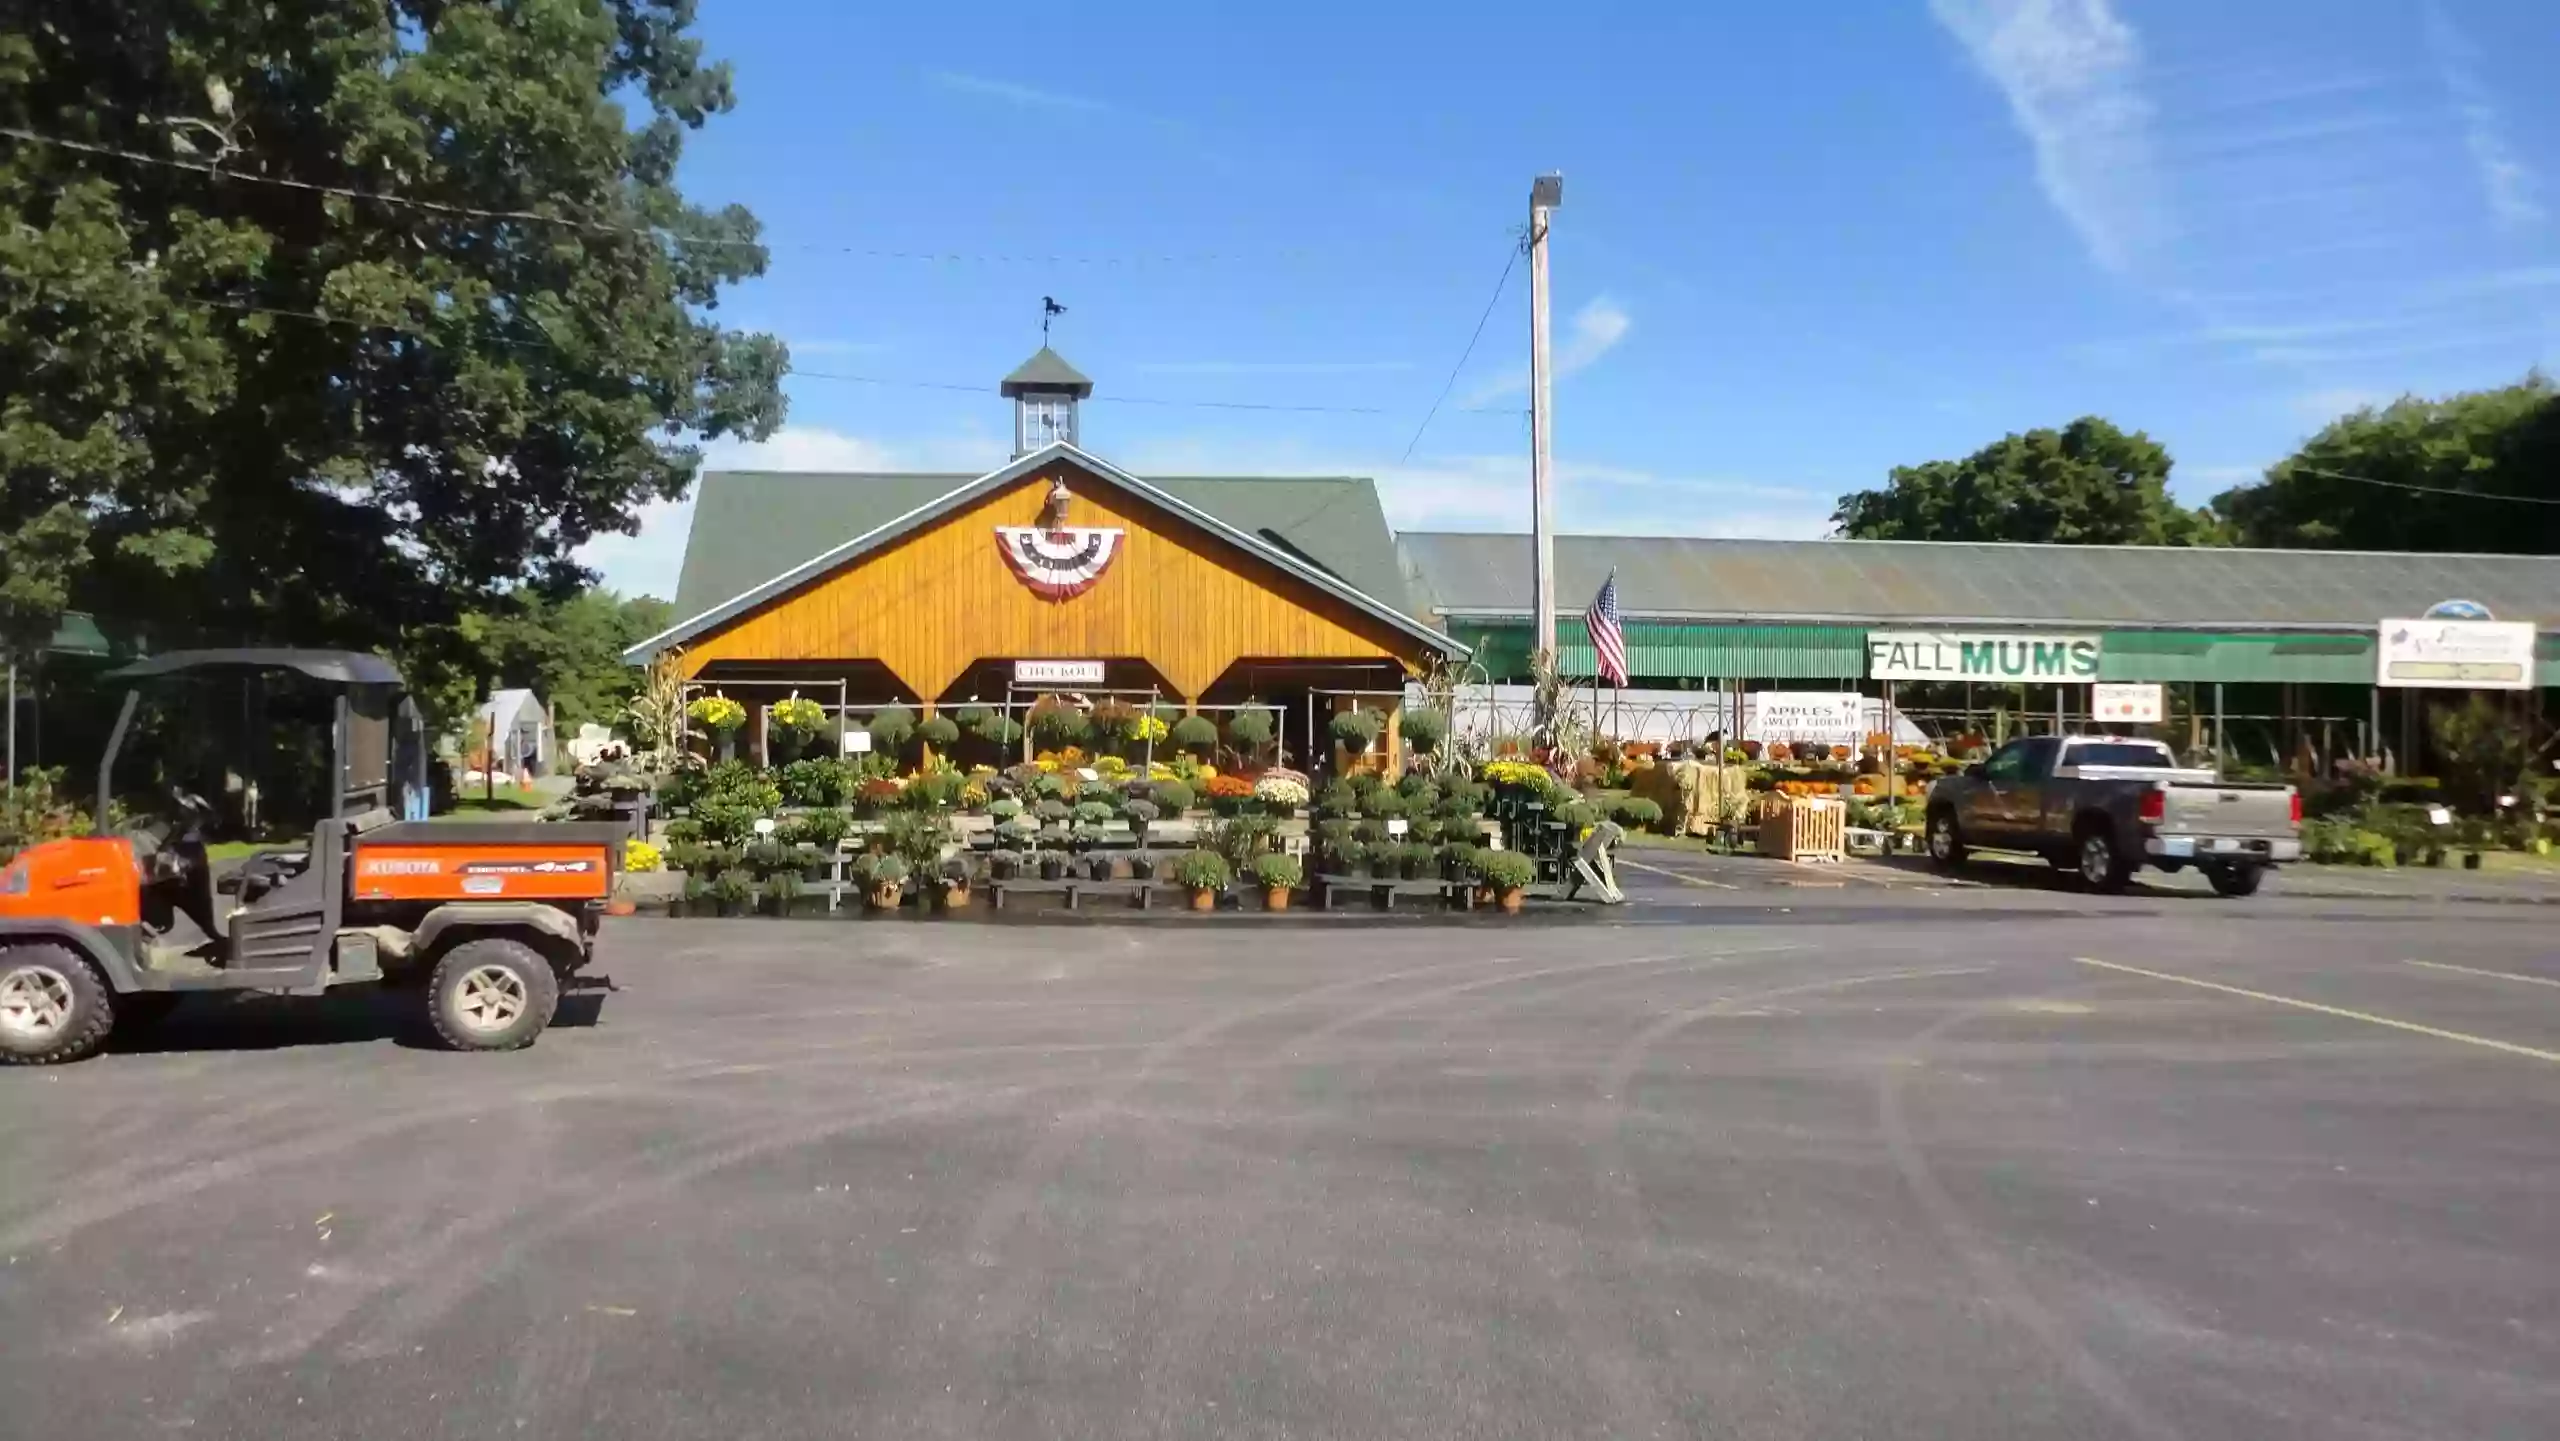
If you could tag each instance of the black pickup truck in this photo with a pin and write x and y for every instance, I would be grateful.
(2105, 806)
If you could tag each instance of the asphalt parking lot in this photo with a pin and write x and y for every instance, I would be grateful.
(1855, 1158)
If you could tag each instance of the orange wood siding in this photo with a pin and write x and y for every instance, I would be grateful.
(934, 602)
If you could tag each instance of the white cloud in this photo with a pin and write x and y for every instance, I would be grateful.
(2071, 71)
(2510, 186)
(1594, 331)
(1270, 367)
(1023, 95)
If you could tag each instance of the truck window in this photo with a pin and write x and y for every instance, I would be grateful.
(2121, 753)
(2009, 763)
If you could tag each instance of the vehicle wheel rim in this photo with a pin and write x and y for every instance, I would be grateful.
(492, 998)
(2096, 860)
(1942, 839)
(35, 1003)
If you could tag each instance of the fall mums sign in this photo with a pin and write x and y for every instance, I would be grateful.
(1982, 656)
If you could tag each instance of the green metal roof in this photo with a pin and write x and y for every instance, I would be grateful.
(750, 526)
(757, 535)
(1047, 370)
(1879, 582)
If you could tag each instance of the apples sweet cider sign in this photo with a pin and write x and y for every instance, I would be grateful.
(1977, 656)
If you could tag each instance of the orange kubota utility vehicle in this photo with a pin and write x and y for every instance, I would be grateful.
(112, 929)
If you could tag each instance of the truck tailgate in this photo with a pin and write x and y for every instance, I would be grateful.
(2247, 812)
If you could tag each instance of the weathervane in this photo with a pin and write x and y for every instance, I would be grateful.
(1050, 309)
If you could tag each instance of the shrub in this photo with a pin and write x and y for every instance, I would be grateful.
(1227, 794)
(1173, 796)
(1016, 831)
(785, 887)
(735, 890)
(2339, 841)
(1278, 872)
(1005, 809)
(1052, 810)
(1090, 813)
(1055, 723)
(823, 829)
(890, 727)
(683, 832)
(1357, 728)
(1250, 729)
(1348, 855)
(996, 729)
(1140, 811)
(1194, 735)
(1203, 871)
(886, 870)
(815, 782)
(741, 784)
(1463, 797)
(1636, 812)
(726, 823)
(939, 732)
(690, 857)
(1424, 729)
(938, 791)
(1239, 838)
(1383, 805)
(1505, 870)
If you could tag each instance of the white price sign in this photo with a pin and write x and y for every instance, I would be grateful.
(857, 743)
(2127, 703)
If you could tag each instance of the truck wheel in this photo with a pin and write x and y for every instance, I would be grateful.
(1946, 843)
(492, 994)
(2101, 868)
(2235, 880)
(53, 1006)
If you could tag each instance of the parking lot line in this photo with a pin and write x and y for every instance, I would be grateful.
(2369, 1019)
(1675, 875)
(2476, 971)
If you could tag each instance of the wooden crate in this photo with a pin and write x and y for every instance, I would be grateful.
(1805, 828)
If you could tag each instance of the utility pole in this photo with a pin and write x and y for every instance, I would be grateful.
(1546, 193)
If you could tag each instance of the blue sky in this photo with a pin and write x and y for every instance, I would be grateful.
(1801, 243)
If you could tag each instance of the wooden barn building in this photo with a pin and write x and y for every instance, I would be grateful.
(1056, 573)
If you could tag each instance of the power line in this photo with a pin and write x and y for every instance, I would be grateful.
(217, 170)
(1098, 399)
(348, 192)
(1464, 355)
(2427, 489)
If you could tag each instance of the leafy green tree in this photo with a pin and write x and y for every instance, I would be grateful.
(2377, 479)
(342, 320)
(2085, 484)
(569, 652)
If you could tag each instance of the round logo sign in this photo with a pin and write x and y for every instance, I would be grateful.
(2458, 610)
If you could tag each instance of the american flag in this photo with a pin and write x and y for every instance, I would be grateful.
(1608, 638)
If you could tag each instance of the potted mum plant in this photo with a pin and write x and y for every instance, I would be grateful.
(1356, 729)
(1278, 875)
(720, 716)
(1281, 792)
(1508, 874)
(886, 882)
(1204, 874)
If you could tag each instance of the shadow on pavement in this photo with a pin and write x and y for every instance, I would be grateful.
(214, 1022)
